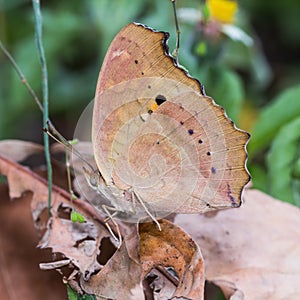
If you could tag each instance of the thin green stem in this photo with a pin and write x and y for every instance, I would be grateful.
(176, 51)
(38, 36)
(22, 77)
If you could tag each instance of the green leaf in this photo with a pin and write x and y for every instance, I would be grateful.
(77, 217)
(72, 295)
(283, 163)
(283, 109)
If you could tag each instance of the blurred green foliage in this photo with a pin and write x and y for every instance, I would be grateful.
(276, 134)
(258, 85)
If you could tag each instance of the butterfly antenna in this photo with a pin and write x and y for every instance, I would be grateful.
(176, 51)
(55, 135)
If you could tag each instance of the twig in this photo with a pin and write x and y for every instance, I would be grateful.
(176, 51)
(22, 77)
(38, 36)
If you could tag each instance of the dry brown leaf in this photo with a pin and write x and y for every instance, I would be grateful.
(120, 278)
(252, 252)
(78, 242)
(171, 248)
(20, 276)
(17, 150)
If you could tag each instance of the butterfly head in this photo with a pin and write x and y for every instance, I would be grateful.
(93, 177)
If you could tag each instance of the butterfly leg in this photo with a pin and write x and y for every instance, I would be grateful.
(111, 217)
(134, 195)
(133, 198)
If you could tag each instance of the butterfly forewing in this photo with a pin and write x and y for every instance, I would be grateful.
(154, 131)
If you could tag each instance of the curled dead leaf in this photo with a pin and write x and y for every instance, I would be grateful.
(120, 278)
(170, 266)
(172, 259)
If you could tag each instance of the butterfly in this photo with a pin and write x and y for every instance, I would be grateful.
(160, 144)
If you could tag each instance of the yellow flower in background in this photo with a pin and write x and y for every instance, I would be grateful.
(216, 17)
(222, 10)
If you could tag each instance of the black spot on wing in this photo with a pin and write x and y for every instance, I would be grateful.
(191, 131)
(160, 99)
